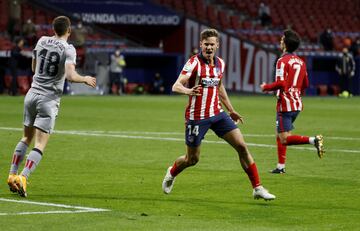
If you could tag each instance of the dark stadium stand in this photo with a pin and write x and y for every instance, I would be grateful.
(237, 18)
(309, 18)
(42, 19)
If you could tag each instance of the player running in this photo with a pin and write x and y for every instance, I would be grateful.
(201, 79)
(53, 60)
(291, 81)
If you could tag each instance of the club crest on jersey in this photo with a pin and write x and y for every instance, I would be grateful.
(188, 66)
(210, 82)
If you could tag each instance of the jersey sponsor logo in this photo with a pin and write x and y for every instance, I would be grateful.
(210, 82)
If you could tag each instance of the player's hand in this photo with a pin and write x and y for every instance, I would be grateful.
(195, 90)
(236, 117)
(90, 81)
(262, 86)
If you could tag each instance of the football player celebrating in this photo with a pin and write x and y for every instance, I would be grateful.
(202, 80)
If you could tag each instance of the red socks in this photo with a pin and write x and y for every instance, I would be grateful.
(174, 171)
(281, 151)
(251, 171)
(253, 175)
(294, 140)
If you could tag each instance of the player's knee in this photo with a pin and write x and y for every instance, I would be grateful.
(241, 148)
(283, 140)
(192, 161)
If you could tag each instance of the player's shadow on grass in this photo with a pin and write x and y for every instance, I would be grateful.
(191, 201)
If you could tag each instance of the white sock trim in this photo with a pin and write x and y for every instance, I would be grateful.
(280, 166)
(312, 140)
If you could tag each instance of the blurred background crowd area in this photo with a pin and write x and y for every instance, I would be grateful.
(150, 40)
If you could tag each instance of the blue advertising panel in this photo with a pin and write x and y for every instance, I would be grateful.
(128, 12)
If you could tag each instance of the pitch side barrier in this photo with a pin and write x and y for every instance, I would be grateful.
(249, 64)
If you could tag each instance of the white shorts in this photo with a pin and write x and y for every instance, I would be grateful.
(40, 112)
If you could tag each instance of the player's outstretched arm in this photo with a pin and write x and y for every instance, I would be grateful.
(73, 76)
(179, 86)
(279, 84)
(224, 98)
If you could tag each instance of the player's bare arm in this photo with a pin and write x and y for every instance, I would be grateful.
(179, 86)
(33, 65)
(224, 99)
(73, 76)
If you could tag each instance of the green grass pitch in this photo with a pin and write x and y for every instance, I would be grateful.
(112, 153)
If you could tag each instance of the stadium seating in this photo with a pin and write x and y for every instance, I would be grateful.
(309, 18)
(43, 19)
(3, 15)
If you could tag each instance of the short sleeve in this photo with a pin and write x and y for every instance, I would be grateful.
(222, 65)
(189, 67)
(70, 55)
(280, 68)
(37, 47)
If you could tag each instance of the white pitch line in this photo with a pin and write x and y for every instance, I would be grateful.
(48, 212)
(104, 134)
(169, 133)
(79, 209)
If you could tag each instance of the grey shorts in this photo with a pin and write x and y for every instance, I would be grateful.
(40, 111)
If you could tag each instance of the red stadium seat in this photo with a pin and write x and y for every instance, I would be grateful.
(274, 39)
(23, 84)
(335, 90)
(27, 12)
(322, 90)
(7, 81)
(189, 7)
(247, 24)
(130, 88)
(179, 6)
(224, 20)
(212, 15)
(235, 22)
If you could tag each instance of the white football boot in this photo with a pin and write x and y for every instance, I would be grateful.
(261, 192)
(168, 181)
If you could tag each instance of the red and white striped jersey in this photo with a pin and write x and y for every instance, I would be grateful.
(290, 82)
(201, 73)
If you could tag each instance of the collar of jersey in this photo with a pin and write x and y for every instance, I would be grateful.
(200, 55)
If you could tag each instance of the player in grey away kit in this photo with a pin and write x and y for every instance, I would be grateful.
(53, 61)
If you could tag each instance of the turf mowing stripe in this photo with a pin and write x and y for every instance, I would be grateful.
(105, 134)
(79, 209)
(174, 133)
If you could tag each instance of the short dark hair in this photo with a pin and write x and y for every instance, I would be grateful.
(291, 40)
(61, 24)
(209, 33)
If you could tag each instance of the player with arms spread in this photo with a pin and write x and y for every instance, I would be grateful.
(53, 60)
(201, 79)
(291, 81)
